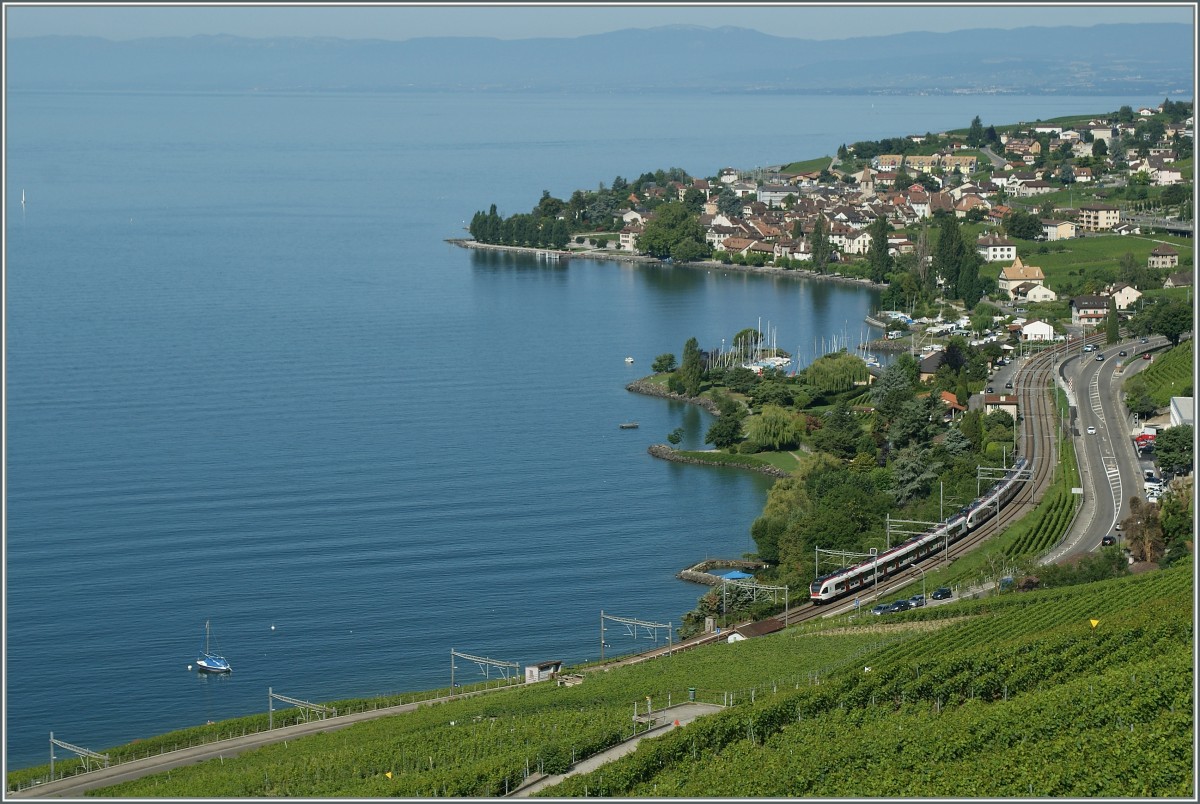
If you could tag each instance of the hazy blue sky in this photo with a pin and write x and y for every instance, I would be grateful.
(529, 20)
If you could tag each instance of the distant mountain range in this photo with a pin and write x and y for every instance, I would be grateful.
(1154, 59)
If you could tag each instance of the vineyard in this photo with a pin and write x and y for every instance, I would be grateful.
(991, 706)
(1170, 375)
(951, 691)
(1050, 520)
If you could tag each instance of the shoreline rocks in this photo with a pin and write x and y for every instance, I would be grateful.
(669, 454)
(706, 265)
(662, 392)
(699, 573)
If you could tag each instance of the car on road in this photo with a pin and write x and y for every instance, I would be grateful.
(899, 606)
(917, 601)
(1091, 430)
(1117, 527)
(1091, 347)
(881, 608)
(1008, 384)
(1143, 340)
(942, 593)
(990, 390)
(1122, 353)
(1100, 355)
(1108, 541)
(1145, 355)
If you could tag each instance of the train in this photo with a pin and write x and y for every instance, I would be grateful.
(850, 580)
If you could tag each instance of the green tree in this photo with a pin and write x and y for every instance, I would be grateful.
(691, 372)
(663, 363)
(949, 252)
(1174, 450)
(727, 429)
(671, 225)
(676, 435)
(728, 202)
(822, 249)
(776, 428)
(1023, 225)
(839, 432)
(878, 258)
(1142, 530)
(1171, 319)
(975, 135)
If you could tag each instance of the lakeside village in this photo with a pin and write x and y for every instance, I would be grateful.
(879, 213)
(985, 242)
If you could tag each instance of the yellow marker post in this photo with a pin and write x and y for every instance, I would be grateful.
(388, 774)
(1094, 623)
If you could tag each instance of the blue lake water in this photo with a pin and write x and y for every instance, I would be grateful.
(249, 382)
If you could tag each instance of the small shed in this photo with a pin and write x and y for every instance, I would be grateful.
(542, 671)
(734, 575)
(755, 629)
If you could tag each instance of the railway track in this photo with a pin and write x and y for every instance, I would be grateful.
(1038, 444)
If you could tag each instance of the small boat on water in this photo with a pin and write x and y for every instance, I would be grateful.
(210, 662)
(629, 360)
(628, 425)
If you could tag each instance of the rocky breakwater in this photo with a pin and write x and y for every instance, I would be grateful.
(699, 573)
(662, 392)
(669, 454)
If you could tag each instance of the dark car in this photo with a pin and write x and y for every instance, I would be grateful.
(1122, 353)
(991, 390)
(1145, 355)
(1100, 355)
(882, 608)
(900, 605)
(1108, 541)
(1143, 340)
(942, 593)
(1008, 385)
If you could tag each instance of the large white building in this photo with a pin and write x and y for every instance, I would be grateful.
(1181, 410)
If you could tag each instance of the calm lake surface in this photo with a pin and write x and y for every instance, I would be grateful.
(248, 382)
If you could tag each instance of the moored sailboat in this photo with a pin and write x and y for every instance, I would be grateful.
(209, 662)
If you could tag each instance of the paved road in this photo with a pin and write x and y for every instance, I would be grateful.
(1110, 469)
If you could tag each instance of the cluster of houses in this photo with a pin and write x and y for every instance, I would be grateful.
(778, 206)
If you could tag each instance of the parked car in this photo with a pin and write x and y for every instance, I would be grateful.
(917, 601)
(1117, 527)
(1143, 340)
(1008, 384)
(990, 390)
(881, 608)
(899, 606)
(1108, 541)
(942, 593)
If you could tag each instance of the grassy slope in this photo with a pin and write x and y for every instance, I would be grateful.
(977, 697)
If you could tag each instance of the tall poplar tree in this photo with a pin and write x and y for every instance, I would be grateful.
(878, 258)
(821, 247)
(949, 253)
(692, 369)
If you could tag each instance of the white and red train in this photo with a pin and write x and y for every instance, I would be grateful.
(847, 581)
